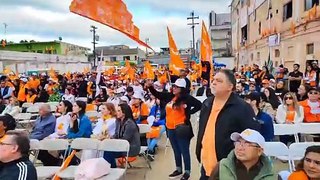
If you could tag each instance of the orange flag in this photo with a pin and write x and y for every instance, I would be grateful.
(206, 47)
(65, 164)
(176, 62)
(113, 13)
(148, 72)
(313, 12)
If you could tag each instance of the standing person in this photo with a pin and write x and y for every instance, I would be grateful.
(80, 124)
(126, 129)
(179, 107)
(310, 76)
(23, 87)
(316, 68)
(220, 115)
(82, 86)
(14, 154)
(5, 90)
(295, 78)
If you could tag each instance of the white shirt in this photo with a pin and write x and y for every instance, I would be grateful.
(69, 98)
(108, 125)
(114, 100)
(62, 122)
(12, 110)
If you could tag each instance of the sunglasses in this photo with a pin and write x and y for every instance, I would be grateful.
(286, 98)
(314, 92)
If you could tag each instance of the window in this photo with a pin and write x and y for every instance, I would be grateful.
(308, 4)
(126, 58)
(258, 55)
(251, 57)
(287, 11)
(277, 53)
(244, 35)
(113, 59)
(259, 28)
(310, 48)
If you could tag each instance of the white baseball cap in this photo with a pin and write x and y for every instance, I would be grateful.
(24, 79)
(249, 135)
(138, 95)
(181, 83)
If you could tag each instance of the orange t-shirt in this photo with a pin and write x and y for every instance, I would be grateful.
(298, 175)
(141, 110)
(22, 92)
(174, 116)
(290, 114)
(208, 151)
(34, 83)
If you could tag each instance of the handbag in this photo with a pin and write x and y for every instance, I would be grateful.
(184, 131)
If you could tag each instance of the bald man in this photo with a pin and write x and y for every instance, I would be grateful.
(45, 123)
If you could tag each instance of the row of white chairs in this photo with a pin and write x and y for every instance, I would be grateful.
(295, 129)
(292, 153)
(112, 145)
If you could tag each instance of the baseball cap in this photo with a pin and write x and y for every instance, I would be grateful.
(24, 79)
(249, 135)
(138, 95)
(181, 83)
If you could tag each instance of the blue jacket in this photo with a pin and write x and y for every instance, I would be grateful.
(153, 112)
(266, 122)
(43, 127)
(85, 129)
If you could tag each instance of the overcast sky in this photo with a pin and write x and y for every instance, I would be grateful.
(47, 20)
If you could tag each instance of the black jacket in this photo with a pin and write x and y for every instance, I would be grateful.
(235, 116)
(20, 169)
(193, 105)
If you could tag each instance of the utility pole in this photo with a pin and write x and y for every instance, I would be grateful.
(5, 28)
(147, 41)
(93, 30)
(193, 24)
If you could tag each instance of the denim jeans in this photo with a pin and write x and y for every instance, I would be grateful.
(112, 156)
(153, 142)
(181, 147)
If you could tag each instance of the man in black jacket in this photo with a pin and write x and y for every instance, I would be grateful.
(14, 149)
(230, 114)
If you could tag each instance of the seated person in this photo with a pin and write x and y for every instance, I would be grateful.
(246, 161)
(158, 126)
(45, 123)
(139, 109)
(126, 129)
(68, 96)
(14, 148)
(309, 166)
(12, 108)
(264, 119)
(311, 106)
(106, 125)
(80, 124)
(62, 122)
(7, 123)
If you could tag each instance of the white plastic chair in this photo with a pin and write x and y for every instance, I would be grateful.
(38, 104)
(144, 128)
(33, 109)
(26, 105)
(287, 129)
(23, 116)
(53, 103)
(34, 148)
(309, 129)
(277, 150)
(79, 144)
(84, 99)
(44, 172)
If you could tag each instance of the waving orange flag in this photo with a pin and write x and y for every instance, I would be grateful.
(206, 47)
(176, 62)
(148, 72)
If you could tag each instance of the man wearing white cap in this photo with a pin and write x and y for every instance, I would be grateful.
(247, 160)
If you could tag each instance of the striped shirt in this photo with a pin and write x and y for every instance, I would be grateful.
(20, 169)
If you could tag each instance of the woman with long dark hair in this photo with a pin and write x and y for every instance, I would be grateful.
(271, 97)
(62, 123)
(179, 107)
(309, 166)
(127, 129)
(80, 125)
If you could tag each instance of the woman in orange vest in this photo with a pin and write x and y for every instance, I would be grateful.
(309, 166)
(140, 110)
(179, 105)
(31, 96)
(310, 76)
(23, 87)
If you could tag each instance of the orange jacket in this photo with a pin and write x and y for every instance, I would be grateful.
(308, 116)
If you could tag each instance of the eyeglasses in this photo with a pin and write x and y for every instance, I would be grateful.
(311, 160)
(245, 144)
(314, 92)
(286, 98)
(3, 144)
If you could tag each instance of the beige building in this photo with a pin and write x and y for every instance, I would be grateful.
(281, 27)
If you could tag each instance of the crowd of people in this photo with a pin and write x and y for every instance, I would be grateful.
(235, 120)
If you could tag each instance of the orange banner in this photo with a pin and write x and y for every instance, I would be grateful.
(176, 62)
(113, 13)
(206, 47)
(148, 72)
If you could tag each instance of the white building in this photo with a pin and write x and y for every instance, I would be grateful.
(121, 53)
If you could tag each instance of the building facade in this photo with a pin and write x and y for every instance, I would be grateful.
(51, 47)
(286, 30)
(114, 54)
(220, 32)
